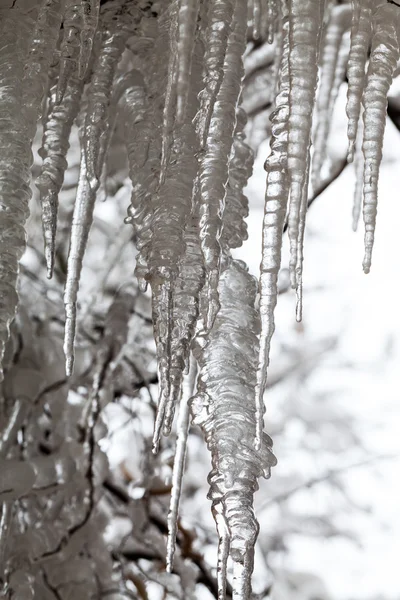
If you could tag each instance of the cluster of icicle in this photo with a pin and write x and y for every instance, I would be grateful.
(172, 74)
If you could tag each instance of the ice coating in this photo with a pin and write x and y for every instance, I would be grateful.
(55, 144)
(276, 200)
(224, 408)
(213, 174)
(382, 65)
(305, 20)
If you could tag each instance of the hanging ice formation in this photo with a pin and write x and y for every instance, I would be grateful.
(176, 96)
(224, 409)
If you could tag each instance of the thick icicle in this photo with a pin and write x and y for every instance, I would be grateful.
(219, 26)
(213, 175)
(90, 17)
(276, 200)
(224, 409)
(60, 119)
(361, 31)
(114, 35)
(187, 22)
(70, 46)
(331, 72)
(171, 214)
(383, 61)
(81, 223)
(189, 282)
(179, 461)
(305, 21)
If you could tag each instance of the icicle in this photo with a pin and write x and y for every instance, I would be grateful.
(223, 549)
(43, 44)
(276, 199)
(70, 46)
(382, 64)
(305, 20)
(189, 282)
(187, 22)
(213, 173)
(171, 213)
(90, 17)
(272, 15)
(54, 150)
(361, 31)
(19, 112)
(171, 89)
(219, 21)
(256, 18)
(300, 245)
(224, 409)
(331, 73)
(179, 462)
(81, 223)
(358, 189)
(234, 231)
(114, 36)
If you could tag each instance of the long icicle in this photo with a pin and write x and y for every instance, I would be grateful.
(305, 19)
(179, 461)
(55, 144)
(90, 17)
(187, 22)
(385, 54)
(81, 223)
(276, 200)
(213, 175)
(171, 91)
(70, 45)
(339, 23)
(224, 409)
(361, 32)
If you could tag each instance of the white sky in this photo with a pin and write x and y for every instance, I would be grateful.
(365, 309)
